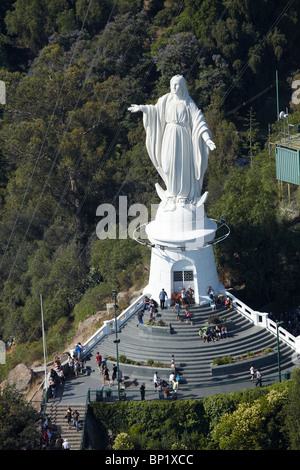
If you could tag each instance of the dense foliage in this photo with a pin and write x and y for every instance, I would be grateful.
(68, 144)
(19, 422)
(259, 419)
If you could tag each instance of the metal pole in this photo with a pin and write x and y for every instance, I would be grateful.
(117, 342)
(278, 352)
(44, 346)
(277, 94)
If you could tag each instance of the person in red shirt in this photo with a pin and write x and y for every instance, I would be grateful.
(99, 360)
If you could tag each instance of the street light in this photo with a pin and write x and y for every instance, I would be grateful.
(114, 292)
(278, 350)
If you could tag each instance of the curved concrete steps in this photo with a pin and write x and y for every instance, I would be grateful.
(193, 356)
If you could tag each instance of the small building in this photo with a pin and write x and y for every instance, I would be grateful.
(287, 154)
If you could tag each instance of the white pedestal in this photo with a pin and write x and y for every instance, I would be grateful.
(180, 255)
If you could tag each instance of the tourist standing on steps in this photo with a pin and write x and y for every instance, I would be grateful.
(155, 380)
(140, 317)
(66, 445)
(252, 372)
(171, 378)
(259, 378)
(99, 361)
(173, 362)
(76, 368)
(183, 297)
(58, 443)
(142, 390)
(69, 416)
(177, 310)
(52, 384)
(188, 316)
(75, 416)
(162, 298)
(106, 376)
(114, 373)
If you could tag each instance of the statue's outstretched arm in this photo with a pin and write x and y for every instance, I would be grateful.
(134, 108)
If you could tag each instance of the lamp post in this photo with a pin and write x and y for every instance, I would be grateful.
(44, 346)
(278, 351)
(116, 341)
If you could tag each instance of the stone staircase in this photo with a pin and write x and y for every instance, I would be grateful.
(59, 426)
(193, 356)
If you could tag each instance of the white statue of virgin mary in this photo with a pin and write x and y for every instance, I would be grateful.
(178, 142)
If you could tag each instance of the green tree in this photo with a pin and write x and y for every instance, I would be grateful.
(291, 412)
(19, 422)
(251, 427)
(123, 442)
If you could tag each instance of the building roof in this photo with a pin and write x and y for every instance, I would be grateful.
(290, 141)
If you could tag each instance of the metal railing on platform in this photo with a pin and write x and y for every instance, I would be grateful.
(133, 393)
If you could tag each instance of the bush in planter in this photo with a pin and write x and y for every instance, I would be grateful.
(215, 319)
(222, 360)
(268, 350)
(122, 358)
(156, 323)
(161, 323)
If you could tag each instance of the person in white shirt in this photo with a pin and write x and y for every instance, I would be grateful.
(66, 445)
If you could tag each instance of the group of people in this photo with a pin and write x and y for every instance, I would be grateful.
(47, 432)
(72, 418)
(187, 313)
(170, 388)
(216, 333)
(256, 374)
(185, 298)
(57, 374)
(219, 300)
(55, 377)
(150, 305)
(104, 371)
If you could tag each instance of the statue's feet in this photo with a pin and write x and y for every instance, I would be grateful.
(182, 201)
(170, 204)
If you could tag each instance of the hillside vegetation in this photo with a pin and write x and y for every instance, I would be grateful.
(68, 144)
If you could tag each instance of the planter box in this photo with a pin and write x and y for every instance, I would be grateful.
(134, 371)
(151, 330)
(259, 362)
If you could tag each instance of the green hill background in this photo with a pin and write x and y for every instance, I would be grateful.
(68, 144)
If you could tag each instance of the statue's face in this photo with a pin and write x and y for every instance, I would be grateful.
(176, 87)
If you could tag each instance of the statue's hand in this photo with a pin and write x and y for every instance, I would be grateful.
(211, 144)
(134, 108)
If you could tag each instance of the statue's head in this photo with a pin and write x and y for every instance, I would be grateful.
(178, 86)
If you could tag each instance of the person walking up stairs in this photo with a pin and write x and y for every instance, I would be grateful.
(60, 427)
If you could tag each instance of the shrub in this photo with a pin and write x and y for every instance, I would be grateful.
(268, 350)
(214, 319)
(250, 353)
(123, 442)
(222, 360)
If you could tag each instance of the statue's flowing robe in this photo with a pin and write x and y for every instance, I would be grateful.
(174, 142)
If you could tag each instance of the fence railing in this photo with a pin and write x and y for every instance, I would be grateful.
(262, 319)
(111, 394)
(109, 325)
(257, 318)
